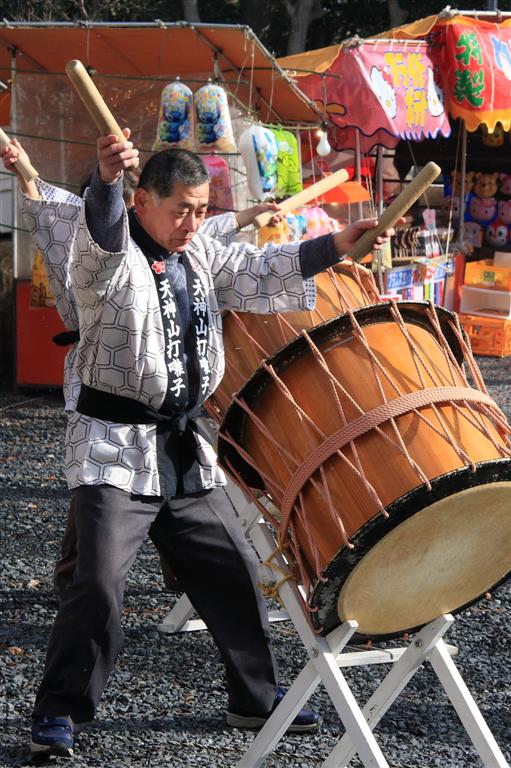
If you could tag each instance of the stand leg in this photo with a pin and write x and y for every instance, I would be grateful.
(388, 691)
(464, 704)
(178, 619)
(322, 667)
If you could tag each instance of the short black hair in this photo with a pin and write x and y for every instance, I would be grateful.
(130, 180)
(162, 170)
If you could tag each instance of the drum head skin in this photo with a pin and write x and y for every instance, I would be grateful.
(437, 552)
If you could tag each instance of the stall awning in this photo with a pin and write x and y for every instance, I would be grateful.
(387, 90)
(163, 51)
(474, 58)
(347, 193)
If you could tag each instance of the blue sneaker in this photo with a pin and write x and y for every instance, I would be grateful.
(52, 736)
(305, 721)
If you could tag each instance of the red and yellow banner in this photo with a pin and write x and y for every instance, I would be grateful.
(476, 70)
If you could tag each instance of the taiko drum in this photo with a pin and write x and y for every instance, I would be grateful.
(391, 471)
(250, 338)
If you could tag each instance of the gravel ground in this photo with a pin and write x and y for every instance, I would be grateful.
(164, 705)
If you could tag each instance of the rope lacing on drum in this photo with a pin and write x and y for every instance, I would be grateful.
(271, 485)
(273, 590)
(305, 418)
(336, 385)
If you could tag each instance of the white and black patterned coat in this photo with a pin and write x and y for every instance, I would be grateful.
(122, 336)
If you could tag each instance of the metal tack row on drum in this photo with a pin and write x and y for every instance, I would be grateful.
(373, 435)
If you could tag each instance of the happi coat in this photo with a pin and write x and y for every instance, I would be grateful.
(128, 324)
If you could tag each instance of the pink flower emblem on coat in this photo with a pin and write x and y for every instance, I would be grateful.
(158, 267)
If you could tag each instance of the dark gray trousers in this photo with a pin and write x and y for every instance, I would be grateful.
(201, 538)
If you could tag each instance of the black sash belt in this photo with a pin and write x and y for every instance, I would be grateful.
(176, 445)
(64, 338)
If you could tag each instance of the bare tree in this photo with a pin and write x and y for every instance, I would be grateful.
(256, 14)
(397, 15)
(302, 13)
(191, 10)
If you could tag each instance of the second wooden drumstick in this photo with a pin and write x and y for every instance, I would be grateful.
(396, 209)
(25, 168)
(93, 100)
(305, 196)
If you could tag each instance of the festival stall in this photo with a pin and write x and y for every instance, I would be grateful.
(168, 83)
(473, 55)
(376, 93)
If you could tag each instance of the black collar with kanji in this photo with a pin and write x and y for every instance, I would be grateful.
(185, 318)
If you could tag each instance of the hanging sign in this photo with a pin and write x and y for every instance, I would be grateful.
(476, 70)
(390, 87)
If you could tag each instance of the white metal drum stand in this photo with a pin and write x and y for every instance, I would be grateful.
(326, 661)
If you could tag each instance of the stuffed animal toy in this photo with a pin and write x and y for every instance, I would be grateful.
(483, 209)
(451, 207)
(497, 234)
(213, 119)
(456, 182)
(486, 184)
(504, 211)
(175, 120)
(474, 233)
(505, 185)
(495, 139)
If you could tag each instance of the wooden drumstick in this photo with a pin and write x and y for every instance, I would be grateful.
(400, 205)
(93, 100)
(23, 165)
(305, 196)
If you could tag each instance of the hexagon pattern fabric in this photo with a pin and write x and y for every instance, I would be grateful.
(122, 341)
(52, 223)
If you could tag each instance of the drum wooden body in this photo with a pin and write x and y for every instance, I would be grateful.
(391, 472)
(251, 338)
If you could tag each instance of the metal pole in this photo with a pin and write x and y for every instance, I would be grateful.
(463, 175)
(15, 246)
(14, 131)
(379, 192)
(358, 168)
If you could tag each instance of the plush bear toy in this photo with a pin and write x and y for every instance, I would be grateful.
(451, 207)
(486, 184)
(456, 182)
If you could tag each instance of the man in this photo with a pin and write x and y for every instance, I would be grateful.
(49, 209)
(150, 291)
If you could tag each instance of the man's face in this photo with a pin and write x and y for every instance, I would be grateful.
(173, 221)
